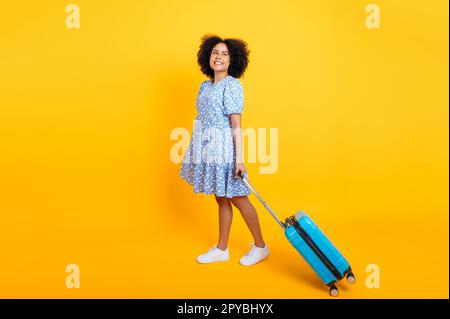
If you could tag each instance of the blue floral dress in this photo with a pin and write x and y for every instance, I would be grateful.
(210, 160)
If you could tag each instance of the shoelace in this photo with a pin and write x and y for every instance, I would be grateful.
(253, 250)
(211, 250)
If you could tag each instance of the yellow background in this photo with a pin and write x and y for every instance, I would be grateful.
(86, 178)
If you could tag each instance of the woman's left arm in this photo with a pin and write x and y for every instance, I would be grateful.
(237, 135)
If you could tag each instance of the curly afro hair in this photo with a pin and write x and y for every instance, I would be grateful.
(238, 49)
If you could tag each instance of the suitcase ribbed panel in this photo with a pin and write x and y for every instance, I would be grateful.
(324, 244)
(311, 258)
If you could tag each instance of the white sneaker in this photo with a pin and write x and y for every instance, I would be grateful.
(213, 255)
(254, 256)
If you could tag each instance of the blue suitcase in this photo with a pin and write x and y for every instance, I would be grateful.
(314, 246)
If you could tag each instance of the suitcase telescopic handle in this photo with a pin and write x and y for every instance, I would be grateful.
(246, 181)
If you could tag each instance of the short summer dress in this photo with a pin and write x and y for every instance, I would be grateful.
(210, 160)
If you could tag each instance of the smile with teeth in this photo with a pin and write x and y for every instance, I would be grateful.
(218, 62)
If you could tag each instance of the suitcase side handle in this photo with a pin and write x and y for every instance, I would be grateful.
(246, 181)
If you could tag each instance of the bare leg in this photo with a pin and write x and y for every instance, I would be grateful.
(225, 219)
(250, 217)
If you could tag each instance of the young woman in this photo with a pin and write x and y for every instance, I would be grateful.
(213, 162)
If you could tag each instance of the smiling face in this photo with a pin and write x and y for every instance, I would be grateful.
(220, 58)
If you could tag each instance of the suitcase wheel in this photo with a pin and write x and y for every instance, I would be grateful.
(334, 291)
(350, 278)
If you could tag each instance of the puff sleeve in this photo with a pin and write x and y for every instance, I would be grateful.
(233, 97)
(202, 87)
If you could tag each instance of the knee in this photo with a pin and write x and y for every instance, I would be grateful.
(221, 201)
(238, 201)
